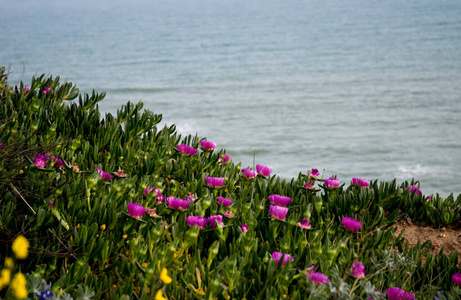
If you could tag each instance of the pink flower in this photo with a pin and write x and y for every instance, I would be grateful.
(352, 224)
(52, 203)
(278, 255)
(208, 146)
(305, 224)
(249, 174)
(152, 212)
(314, 173)
(360, 182)
(263, 170)
(46, 90)
(226, 202)
(309, 185)
(157, 193)
(200, 221)
(244, 228)
(358, 270)
(278, 212)
(58, 162)
(331, 183)
(279, 200)
(104, 175)
(318, 277)
(40, 161)
(135, 210)
(148, 189)
(186, 149)
(26, 88)
(226, 158)
(229, 214)
(191, 197)
(414, 188)
(176, 203)
(215, 182)
(456, 279)
(213, 219)
(395, 293)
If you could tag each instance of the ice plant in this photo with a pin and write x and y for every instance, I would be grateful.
(152, 212)
(21, 247)
(104, 175)
(40, 161)
(318, 277)
(176, 203)
(200, 221)
(278, 255)
(360, 182)
(191, 197)
(244, 227)
(224, 201)
(157, 193)
(225, 159)
(249, 174)
(331, 183)
(278, 212)
(456, 279)
(208, 146)
(413, 189)
(229, 214)
(352, 224)
(212, 220)
(314, 173)
(26, 88)
(358, 270)
(46, 90)
(309, 185)
(135, 210)
(186, 149)
(395, 293)
(58, 162)
(279, 200)
(164, 276)
(263, 170)
(305, 224)
(215, 182)
(52, 203)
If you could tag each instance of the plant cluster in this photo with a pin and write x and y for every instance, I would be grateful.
(116, 208)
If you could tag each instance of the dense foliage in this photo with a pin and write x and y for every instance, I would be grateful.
(108, 206)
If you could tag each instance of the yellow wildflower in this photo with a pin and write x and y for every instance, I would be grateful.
(125, 236)
(159, 296)
(9, 262)
(164, 277)
(5, 277)
(18, 285)
(103, 226)
(144, 265)
(21, 247)
(21, 172)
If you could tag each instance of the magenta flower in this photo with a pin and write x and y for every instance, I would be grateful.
(456, 279)
(352, 224)
(226, 158)
(249, 174)
(26, 88)
(58, 162)
(104, 175)
(279, 200)
(229, 214)
(278, 255)
(148, 189)
(414, 188)
(395, 293)
(46, 90)
(176, 203)
(278, 212)
(244, 228)
(331, 183)
(135, 210)
(314, 173)
(306, 224)
(157, 193)
(215, 182)
(360, 182)
(186, 149)
(212, 220)
(208, 146)
(200, 221)
(226, 202)
(318, 277)
(1, 146)
(309, 185)
(40, 161)
(52, 204)
(191, 197)
(263, 170)
(358, 270)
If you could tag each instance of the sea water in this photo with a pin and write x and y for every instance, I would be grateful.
(359, 88)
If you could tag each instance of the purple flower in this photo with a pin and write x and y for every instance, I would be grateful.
(244, 228)
(360, 182)
(200, 221)
(318, 277)
(40, 161)
(226, 158)
(309, 185)
(58, 162)
(157, 193)
(135, 210)
(395, 293)
(186, 149)
(213, 219)
(331, 183)
(226, 202)
(263, 170)
(104, 175)
(358, 270)
(306, 224)
(176, 203)
(46, 90)
(414, 188)
(46, 294)
(314, 173)
(456, 279)
(208, 146)
(278, 255)
(352, 224)
(249, 174)
(52, 203)
(215, 182)
(191, 197)
(278, 212)
(26, 88)
(279, 200)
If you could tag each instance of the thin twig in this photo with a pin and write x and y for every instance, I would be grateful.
(14, 188)
(49, 229)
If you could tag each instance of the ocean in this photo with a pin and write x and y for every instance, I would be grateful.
(359, 88)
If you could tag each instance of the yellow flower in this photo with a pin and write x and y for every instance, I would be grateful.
(20, 247)
(103, 226)
(18, 285)
(5, 277)
(159, 296)
(21, 172)
(164, 277)
(9, 262)
(144, 265)
(125, 236)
